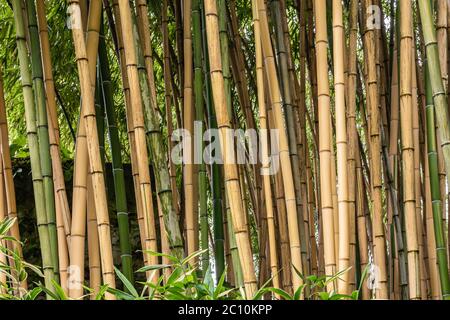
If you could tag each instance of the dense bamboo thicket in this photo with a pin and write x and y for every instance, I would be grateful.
(280, 149)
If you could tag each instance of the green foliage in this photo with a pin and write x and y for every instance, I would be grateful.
(65, 77)
(17, 271)
(181, 283)
(313, 288)
(179, 280)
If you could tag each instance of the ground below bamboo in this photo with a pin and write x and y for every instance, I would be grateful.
(27, 217)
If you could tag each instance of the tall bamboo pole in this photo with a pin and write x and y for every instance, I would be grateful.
(81, 163)
(341, 145)
(158, 152)
(188, 124)
(199, 116)
(226, 59)
(216, 174)
(42, 131)
(264, 144)
(375, 147)
(95, 163)
(324, 138)
(230, 169)
(118, 173)
(168, 94)
(288, 99)
(437, 87)
(144, 237)
(58, 176)
(441, 250)
(285, 162)
(391, 168)
(353, 151)
(408, 147)
(147, 197)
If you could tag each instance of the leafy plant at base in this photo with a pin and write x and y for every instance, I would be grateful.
(313, 288)
(17, 272)
(183, 283)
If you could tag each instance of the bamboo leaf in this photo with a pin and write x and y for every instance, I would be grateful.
(127, 283)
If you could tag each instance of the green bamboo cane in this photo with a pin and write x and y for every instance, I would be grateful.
(158, 155)
(199, 109)
(33, 145)
(42, 130)
(216, 189)
(116, 156)
(435, 80)
(441, 250)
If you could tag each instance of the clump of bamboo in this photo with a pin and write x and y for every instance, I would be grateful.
(265, 151)
(96, 168)
(379, 243)
(116, 157)
(43, 134)
(33, 143)
(230, 169)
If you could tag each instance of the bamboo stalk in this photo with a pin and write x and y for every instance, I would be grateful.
(285, 162)
(216, 175)
(265, 153)
(118, 173)
(81, 162)
(439, 97)
(375, 146)
(130, 128)
(199, 110)
(441, 250)
(135, 111)
(147, 197)
(188, 124)
(408, 148)
(351, 124)
(341, 145)
(98, 183)
(230, 169)
(52, 115)
(43, 136)
(324, 139)
(288, 100)
(159, 153)
(168, 90)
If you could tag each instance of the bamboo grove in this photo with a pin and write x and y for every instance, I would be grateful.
(347, 103)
